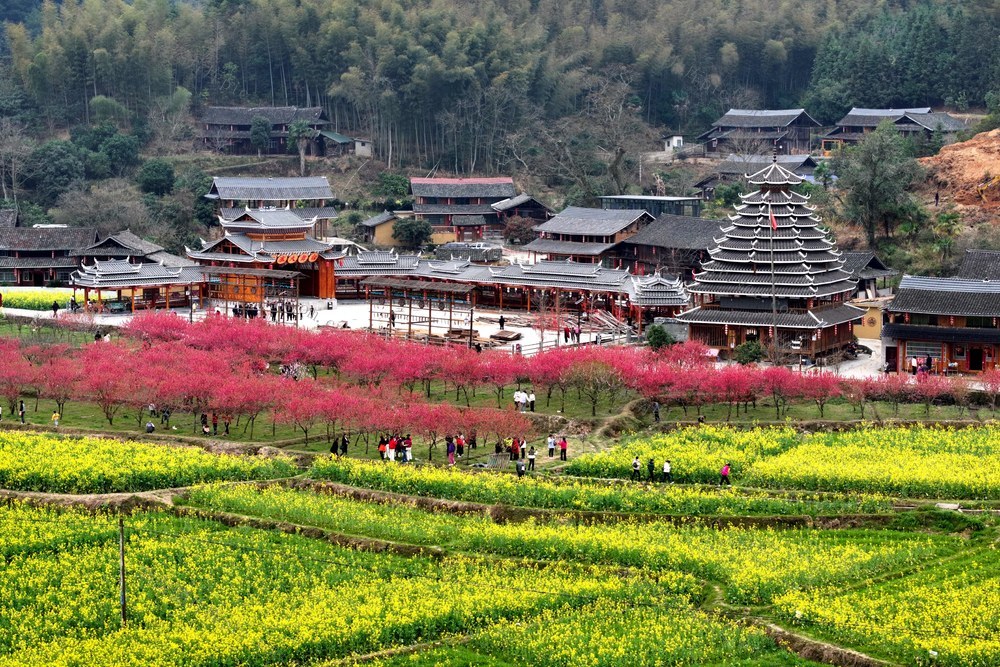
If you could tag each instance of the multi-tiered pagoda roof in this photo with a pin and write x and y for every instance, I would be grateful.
(795, 260)
(807, 264)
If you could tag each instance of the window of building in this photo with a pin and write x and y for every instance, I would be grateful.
(6, 276)
(981, 322)
(922, 350)
(924, 319)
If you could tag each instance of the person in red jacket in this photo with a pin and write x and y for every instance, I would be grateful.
(563, 447)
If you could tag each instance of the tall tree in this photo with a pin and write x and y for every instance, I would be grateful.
(260, 133)
(299, 135)
(874, 177)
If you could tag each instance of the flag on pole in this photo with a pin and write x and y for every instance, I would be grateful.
(774, 221)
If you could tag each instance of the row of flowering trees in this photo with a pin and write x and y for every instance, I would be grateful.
(362, 383)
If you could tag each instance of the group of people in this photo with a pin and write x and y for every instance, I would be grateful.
(667, 474)
(921, 368)
(392, 448)
(571, 334)
(524, 400)
(455, 446)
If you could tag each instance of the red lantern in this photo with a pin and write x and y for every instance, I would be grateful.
(951, 320)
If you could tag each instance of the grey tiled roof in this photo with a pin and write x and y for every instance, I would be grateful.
(679, 231)
(980, 265)
(46, 238)
(169, 259)
(454, 209)
(321, 213)
(380, 219)
(591, 221)
(242, 188)
(827, 317)
(554, 247)
(122, 244)
(947, 296)
(119, 273)
(940, 334)
(656, 290)
(37, 262)
(866, 265)
(514, 202)
(763, 118)
(498, 188)
(267, 219)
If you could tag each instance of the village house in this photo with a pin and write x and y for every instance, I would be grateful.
(761, 131)
(916, 123)
(676, 244)
(586, 234)
(954, 321)
(461, 209)
(39, 256)
(228, 128)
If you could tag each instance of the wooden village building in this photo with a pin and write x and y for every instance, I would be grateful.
(871, 274)
(914, 123)
(760, 131)
(954, 321)
(228, 128)
(586, 235)
(784, 285)
(273, 253)
(674, 244)
(39, 256)
(138, 285)
(307, 197)
(460, 209)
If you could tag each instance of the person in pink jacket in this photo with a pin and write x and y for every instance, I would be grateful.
(724, 476)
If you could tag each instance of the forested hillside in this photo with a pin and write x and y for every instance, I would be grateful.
(491, 85)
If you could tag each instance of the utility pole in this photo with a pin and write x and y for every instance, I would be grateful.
(121, 568)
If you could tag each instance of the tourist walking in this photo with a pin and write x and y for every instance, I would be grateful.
(635, 470)
(55, 309)
(531, 401)
(343, 444)
(651, 468)
(20, 411)
(450, 447)
(503, 322)
(531, 458)
(408, 447)
(724, 476)
(460, 445)
(656, 412)
(667, 476)
(519, 467)
(563, 446)
(55, 418)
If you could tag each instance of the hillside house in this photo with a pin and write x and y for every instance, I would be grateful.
(228, 128)
(744, 131)
(917, 123)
